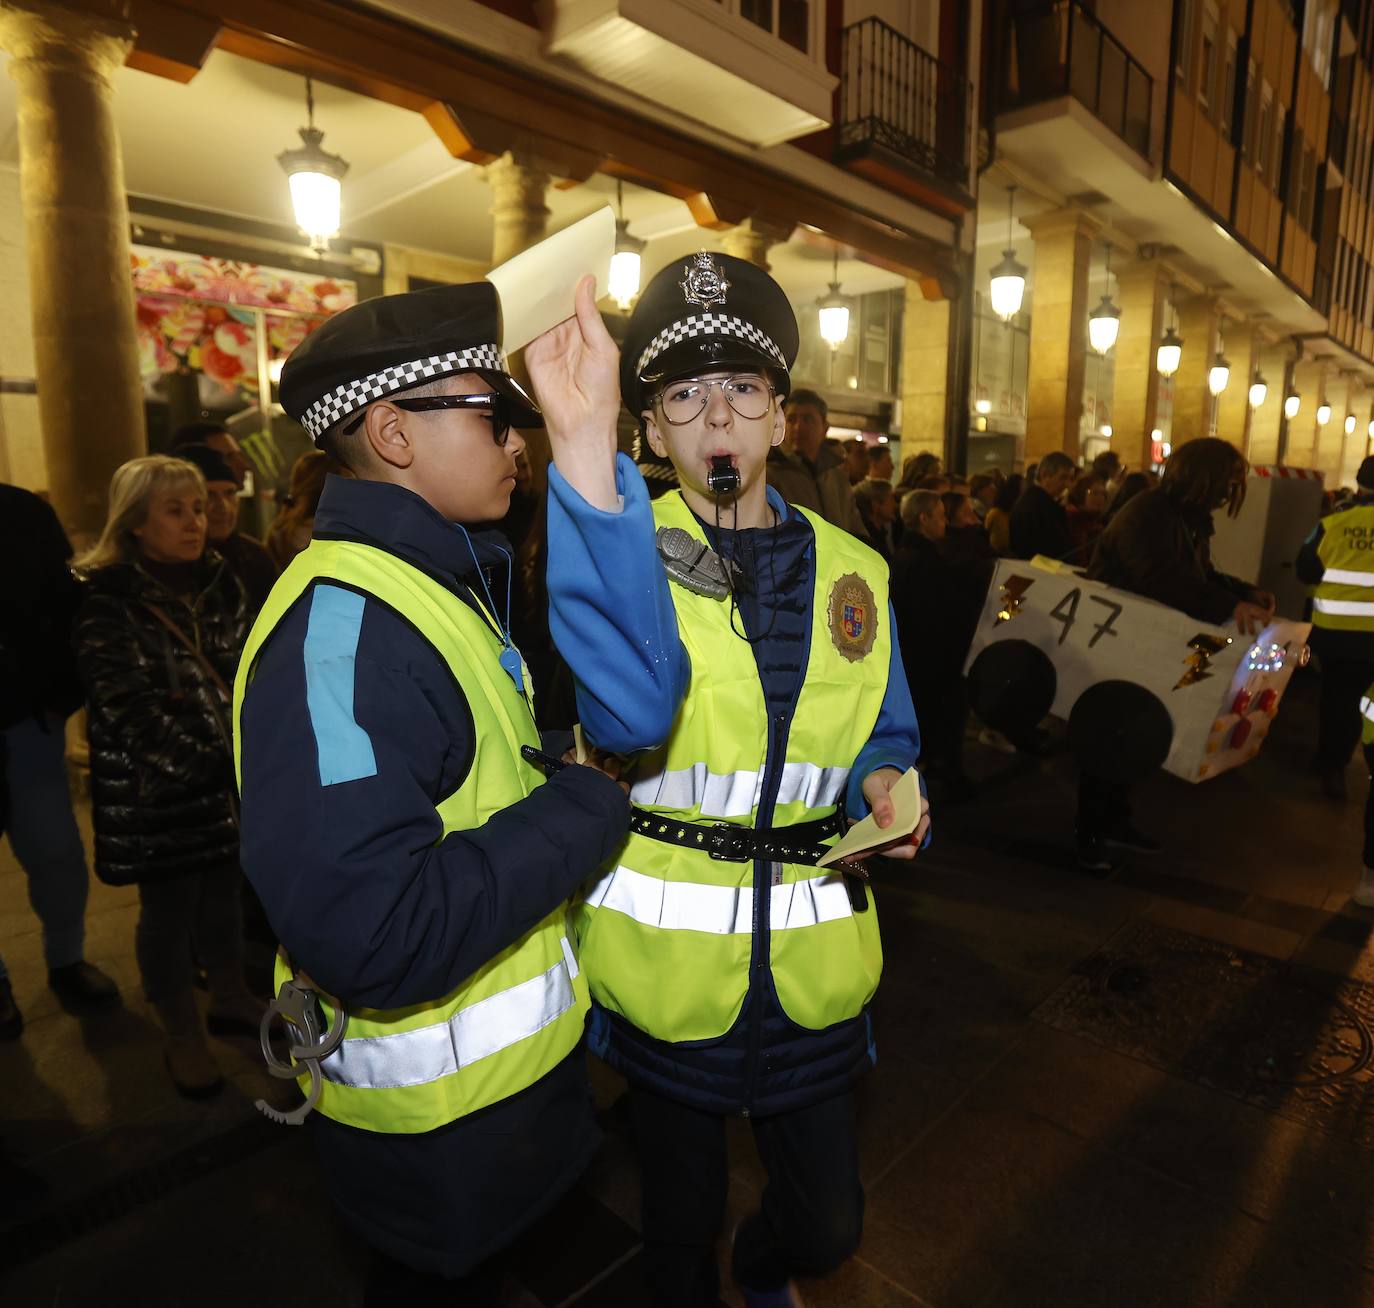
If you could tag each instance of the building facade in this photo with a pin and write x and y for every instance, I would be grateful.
(829, 139)
(1204, 166)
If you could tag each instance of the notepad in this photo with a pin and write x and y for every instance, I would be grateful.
(538, 286)
(908, 804)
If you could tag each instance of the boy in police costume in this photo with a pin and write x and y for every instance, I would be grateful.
(414, 866)
(761, 696)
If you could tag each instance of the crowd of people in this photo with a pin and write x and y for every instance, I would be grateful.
(422, 888)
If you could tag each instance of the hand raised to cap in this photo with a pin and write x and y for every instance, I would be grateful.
(574, 369)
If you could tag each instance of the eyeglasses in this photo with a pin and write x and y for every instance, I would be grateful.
(747, 394)
(497, 413)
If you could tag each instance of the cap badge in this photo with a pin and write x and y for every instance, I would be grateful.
(704, 283)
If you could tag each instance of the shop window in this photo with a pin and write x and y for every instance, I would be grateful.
(1307, 215)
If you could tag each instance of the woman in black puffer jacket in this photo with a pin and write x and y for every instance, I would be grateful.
(157, 638)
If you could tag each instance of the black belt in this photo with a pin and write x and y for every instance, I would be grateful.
(735, 844)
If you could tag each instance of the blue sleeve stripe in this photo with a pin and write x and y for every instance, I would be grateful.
(331, 646)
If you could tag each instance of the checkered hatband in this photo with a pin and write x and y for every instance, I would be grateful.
(708, 324)
(343, 400)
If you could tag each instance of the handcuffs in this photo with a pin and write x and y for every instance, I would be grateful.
(298, 1007)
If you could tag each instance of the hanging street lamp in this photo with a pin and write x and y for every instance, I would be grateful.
(622, 284)
(834, 311)
(316, 180)
(1008, 285)
(1259, 389)
(1291, 404)
(1104, 323)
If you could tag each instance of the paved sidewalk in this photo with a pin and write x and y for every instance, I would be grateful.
(1009, 1158)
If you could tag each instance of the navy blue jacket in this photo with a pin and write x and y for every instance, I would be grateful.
(344, 851)
(613, 619)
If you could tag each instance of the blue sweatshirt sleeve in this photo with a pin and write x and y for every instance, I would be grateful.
(346, 751)
(896, 739)
(611, 614)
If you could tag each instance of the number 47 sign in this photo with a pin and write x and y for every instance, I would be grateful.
(1066, 612)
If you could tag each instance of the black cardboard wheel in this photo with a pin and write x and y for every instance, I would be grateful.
(1120, 731)
(1011, 686)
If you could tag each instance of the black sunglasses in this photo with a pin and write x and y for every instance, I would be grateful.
(495, 404)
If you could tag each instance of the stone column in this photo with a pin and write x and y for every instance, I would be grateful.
(520, 217)
(77, 223)
(1197, 325)
(1135, 403)
(753, 238)
(1263, 447)
(1309, 380)
(1058, 331)
(925, 369)
(1239, 345)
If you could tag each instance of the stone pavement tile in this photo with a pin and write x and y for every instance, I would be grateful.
(897, 1102)
(256, 1231)
(1339, 959)
(1229, 929)
(1004, 1207)
(1237, 1154)
(1301, 918)
(857, 1284)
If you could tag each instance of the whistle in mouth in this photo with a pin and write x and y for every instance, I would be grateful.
(723, 478)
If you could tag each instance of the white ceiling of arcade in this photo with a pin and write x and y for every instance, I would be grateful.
(212, 145)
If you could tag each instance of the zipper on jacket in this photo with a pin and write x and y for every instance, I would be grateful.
(760, 967)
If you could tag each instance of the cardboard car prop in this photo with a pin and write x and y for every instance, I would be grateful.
(1141, 685)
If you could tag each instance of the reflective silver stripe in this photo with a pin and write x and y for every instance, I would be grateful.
(1367, 707)
(737, 794)
(1342, 577)
(428, 1053)
(719, 910)
(1344, 608)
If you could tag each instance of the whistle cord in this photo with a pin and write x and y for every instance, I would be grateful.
(730, 566)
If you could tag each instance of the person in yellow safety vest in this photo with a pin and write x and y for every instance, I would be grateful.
(762, 697)
(1337, 562)
(415, 867)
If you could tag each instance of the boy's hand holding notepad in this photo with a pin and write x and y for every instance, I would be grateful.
(864, 837)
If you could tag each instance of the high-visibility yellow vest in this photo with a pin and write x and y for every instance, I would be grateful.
(513, 1020)
(667, 932)
(1344, 598)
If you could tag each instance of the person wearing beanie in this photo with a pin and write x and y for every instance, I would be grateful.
(414, 859)
(1337, 563)
(247, 558)
(741, 651)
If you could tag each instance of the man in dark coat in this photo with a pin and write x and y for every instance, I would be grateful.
(937, 601)
(1039, 522)
(1159, 546)
(39, 689)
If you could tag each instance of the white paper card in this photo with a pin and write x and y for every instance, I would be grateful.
(907, 806)
(536, 288)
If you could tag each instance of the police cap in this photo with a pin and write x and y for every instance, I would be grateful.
(701, 314)
(395, 343)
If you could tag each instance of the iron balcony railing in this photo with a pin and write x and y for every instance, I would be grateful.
(1061, 48)
(896, 96)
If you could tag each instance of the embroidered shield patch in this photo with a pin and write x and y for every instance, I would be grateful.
(853, 617)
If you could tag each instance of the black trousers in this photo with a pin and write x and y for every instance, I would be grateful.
(1344, 681)
(1102, 806)
(1369, 810)
(810, 1217)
